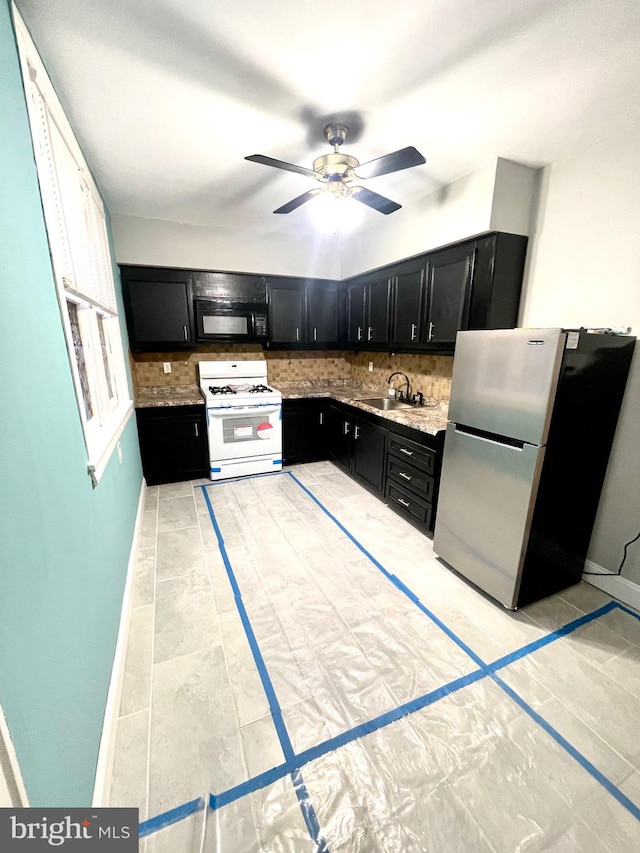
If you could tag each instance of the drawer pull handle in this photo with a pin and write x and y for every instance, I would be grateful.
(404, 503)
(408, 452)
(405, 476)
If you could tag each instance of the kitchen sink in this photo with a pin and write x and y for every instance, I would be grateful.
(385, 403)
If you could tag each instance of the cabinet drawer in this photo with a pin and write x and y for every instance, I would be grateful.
(410, 477)
(408, 503)
(418, 455)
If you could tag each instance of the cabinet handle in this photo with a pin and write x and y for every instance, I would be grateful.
(186, 333)
(315, 334)
(369, 331)
(297, 333)
(321, 418)
(359, 335)
(430, 330)
(403, 475)
(404, 503)
(195, 426)
(356, 432)
(347, 427)
(408, 452)
(413, 331)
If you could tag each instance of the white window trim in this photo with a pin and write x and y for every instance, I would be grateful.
(101, 435)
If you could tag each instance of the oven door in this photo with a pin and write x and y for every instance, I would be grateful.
(244, 433)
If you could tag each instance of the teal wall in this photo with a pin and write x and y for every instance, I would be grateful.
(64, 546)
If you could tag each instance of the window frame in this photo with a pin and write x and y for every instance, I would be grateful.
(78, 234)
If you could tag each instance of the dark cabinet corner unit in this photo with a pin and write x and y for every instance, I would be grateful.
(173, 443)
(303, 430)
(158, 308)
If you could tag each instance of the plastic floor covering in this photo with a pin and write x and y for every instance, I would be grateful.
(355, 695)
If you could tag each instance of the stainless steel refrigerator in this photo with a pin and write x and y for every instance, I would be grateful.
(532, 418)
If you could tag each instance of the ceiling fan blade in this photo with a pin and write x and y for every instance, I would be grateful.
(374, 200)
(296, 202)
(280, 164)
(405, 158)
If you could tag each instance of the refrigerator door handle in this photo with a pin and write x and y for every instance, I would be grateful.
(499, 440)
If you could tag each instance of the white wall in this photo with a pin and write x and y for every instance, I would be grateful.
(583, 270)
(454, 212)
(155, 242)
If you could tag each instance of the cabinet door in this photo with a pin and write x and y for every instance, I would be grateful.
(322, 313)
(448, 287)
(378, 304)
(285, 308)
(338, 432)
(368, 452)
(173, 447)
(356, 332)
(159, 312)
(408, 308)
(303, 423)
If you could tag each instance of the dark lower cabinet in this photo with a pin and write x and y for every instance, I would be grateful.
(338, 435)
(173, 443)
(413, 471)
(303, 430)
(357, 444)
(367, 456)
(400, 464)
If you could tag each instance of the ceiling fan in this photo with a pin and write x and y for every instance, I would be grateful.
(336, 171)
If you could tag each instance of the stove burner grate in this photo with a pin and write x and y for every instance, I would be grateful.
(222, 389)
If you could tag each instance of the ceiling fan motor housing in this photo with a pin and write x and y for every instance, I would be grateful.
(336, 134)
(334, 166)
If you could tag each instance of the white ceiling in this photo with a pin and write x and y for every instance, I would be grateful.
(168, 96)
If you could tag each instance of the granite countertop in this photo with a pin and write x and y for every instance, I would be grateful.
(431, 418)
(168, 395)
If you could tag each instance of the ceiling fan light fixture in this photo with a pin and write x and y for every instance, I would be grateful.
(334, 212)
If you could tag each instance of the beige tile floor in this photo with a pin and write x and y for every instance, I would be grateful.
(340, 645)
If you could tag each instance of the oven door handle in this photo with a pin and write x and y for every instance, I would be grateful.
(264, 409)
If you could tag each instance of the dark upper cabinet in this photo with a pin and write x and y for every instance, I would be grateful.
(449, 275)
(158, 309)
(408, 308)
(475, 284)
(355, 297)
(285, 306)
(323, 312)
(303, 313)
(368, 303)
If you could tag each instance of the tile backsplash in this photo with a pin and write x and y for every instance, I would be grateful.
(430, 374)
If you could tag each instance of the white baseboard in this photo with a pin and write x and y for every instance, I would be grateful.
(106, 753)
(12, 790)
(615, 585)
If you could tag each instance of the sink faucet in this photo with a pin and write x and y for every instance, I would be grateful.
(406, 393)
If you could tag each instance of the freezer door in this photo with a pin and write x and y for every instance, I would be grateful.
(504, 381)
(487, 494)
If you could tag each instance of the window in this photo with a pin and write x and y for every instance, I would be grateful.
(81, 260)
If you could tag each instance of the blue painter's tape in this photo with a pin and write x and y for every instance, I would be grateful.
(573, 752)
(216, 470)
(277, 461)
(274, 705)
(306, 806)
(619, 606)
(567, 629)
(165, 819)
(488, 669)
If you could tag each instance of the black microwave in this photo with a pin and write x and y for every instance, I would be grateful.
(221, 320)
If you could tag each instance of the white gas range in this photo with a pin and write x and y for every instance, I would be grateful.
(244, 418)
